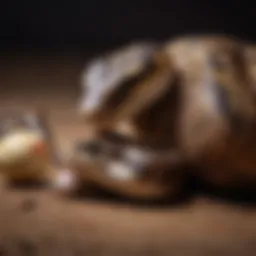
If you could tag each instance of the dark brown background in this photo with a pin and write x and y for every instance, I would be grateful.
(100, 24)
(43, 47)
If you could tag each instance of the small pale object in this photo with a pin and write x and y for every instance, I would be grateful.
(25, 149)
(23, 154)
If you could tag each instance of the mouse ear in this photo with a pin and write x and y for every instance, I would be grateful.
(153, 87)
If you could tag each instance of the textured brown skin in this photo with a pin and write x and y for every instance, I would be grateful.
(217, 138)
(224, 149)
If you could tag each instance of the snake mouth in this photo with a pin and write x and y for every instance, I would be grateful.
(130, 173)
